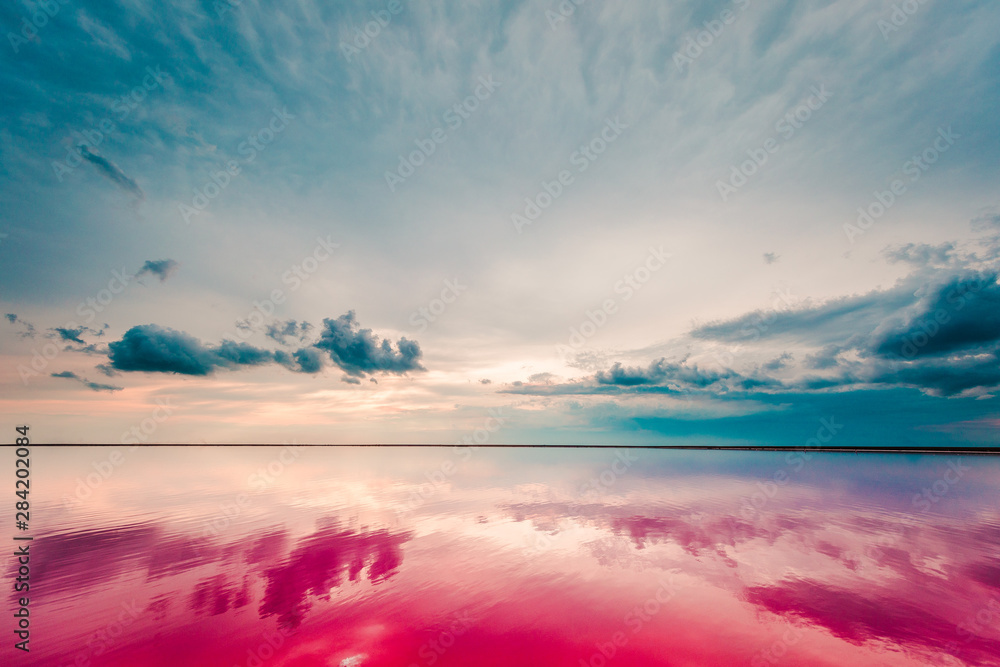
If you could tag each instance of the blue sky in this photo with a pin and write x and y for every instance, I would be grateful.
(653, 222)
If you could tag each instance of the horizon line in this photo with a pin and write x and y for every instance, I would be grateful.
(962, 450)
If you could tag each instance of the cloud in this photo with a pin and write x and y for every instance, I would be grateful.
(825, 358)
(96, 386)
(778, 363)
(942, 339)
(71, 335)
(112, 171)
(920, 254)
(279, 331)
(161, 268)
(680, 376)
(957, 315)
(987, 221)
(28, 329)
(659, 377)
(155, 349)
(860, 616)
(359, 352)
(319, 563)
(833, 320)
(305, 360)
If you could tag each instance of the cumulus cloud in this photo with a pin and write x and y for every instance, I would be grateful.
(305, 360)
(96, 386)
(161, 268)
(155, 349)
(112, 171)
(359, 352)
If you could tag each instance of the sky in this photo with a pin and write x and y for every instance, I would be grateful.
(512, 222)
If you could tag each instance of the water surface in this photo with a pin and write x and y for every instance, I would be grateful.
(312, 556)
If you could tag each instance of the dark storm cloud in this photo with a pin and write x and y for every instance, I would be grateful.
(942, 377)
(161, 268)
(112, 171)
(359, 352)
(960, 314)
